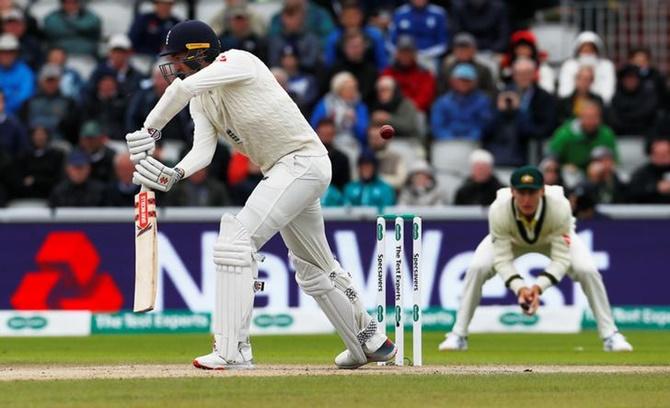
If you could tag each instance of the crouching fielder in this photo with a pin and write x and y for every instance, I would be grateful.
(234, 95)
(530, 217)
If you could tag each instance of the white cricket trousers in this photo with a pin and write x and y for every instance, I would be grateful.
(582, 270)
(287, 201)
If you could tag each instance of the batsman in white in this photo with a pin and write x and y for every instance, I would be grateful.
(532, 217)
(233, 95)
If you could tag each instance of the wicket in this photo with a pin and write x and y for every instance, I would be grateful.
(398, 259)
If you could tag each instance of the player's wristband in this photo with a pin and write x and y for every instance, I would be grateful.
(515, 283)
(545, 280)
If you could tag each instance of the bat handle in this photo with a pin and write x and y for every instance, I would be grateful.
(144, 188)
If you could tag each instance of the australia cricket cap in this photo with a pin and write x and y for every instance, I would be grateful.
(527, 178)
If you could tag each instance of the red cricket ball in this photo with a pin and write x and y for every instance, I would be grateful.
(387, 131)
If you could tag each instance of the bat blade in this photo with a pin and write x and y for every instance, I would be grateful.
(146, 251)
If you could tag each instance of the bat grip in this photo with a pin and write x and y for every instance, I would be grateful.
(144, 188)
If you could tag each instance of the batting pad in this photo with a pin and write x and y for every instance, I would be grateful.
(235, 271)
(336, 296)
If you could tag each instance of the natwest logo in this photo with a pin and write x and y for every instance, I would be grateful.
(67, 278)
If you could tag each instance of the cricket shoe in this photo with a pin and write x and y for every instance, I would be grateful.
(454, 342)
(385, 352)
(214, 361)
(616, 342)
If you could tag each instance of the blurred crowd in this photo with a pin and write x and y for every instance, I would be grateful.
(465, 84)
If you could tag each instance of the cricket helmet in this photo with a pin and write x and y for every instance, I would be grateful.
(196, 41)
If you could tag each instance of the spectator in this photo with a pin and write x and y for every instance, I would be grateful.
(221, 22)
(282, 78)
(179, 128)
(650, 184)
(465, 51)
(294, 33)
(601, 174)
(570, 106)
(352, 19)
(199, 190)
(71, 84)
(40, 168)
(243, 177)
(302, 85)
(416, 82)
(107, 106)
(7, 179)
(240, 35)
(574, 141)
(343, 104)
(486, 20)
(17, 81)
(13, 138)
(51, 109)
(391, 165)
(118, 64)
(78, 189)
(426, 24)
(651, 77)
(634, 107)
(391, 107)
(421, 188)
(464, 112)
(332, 197)
(74, 28)
(355, 61)
(523, 44)
(583, 200)
(101, 158)
(369, 190)
(317, 20)
(588, 50)
(481, 186)
(551, 171)
(524, 113)
(30, 49)
(8, 6)
(341, 168)
(120, 192)
(148, 30)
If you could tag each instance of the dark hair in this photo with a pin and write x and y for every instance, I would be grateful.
(326, 122)
(637, 50)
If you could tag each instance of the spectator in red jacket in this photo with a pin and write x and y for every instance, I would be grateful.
(416, 82)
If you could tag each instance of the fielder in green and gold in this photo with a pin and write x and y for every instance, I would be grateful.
(531, 217)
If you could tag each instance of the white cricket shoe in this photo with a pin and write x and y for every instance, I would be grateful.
(617, 342)
(454, 342)
(385, 352)
(213, 361)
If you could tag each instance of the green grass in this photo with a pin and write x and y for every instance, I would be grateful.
(523, 390)
(389, 391)
(651, 348)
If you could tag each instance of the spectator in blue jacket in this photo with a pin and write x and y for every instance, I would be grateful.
(426, 23)
(118, 65)
(294, 32)
(148, 30)
(13, 136)
(74, 28)
(352, 19)
(301, 84)
(465, 111)
(344, 106)
(17, 80)
(369, 190)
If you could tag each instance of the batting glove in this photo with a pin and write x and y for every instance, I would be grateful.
(155, 175)
(142, 143)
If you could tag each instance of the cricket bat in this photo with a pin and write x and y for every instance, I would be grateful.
(146, 251)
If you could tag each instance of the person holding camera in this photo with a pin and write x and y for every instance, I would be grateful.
(524, 112)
